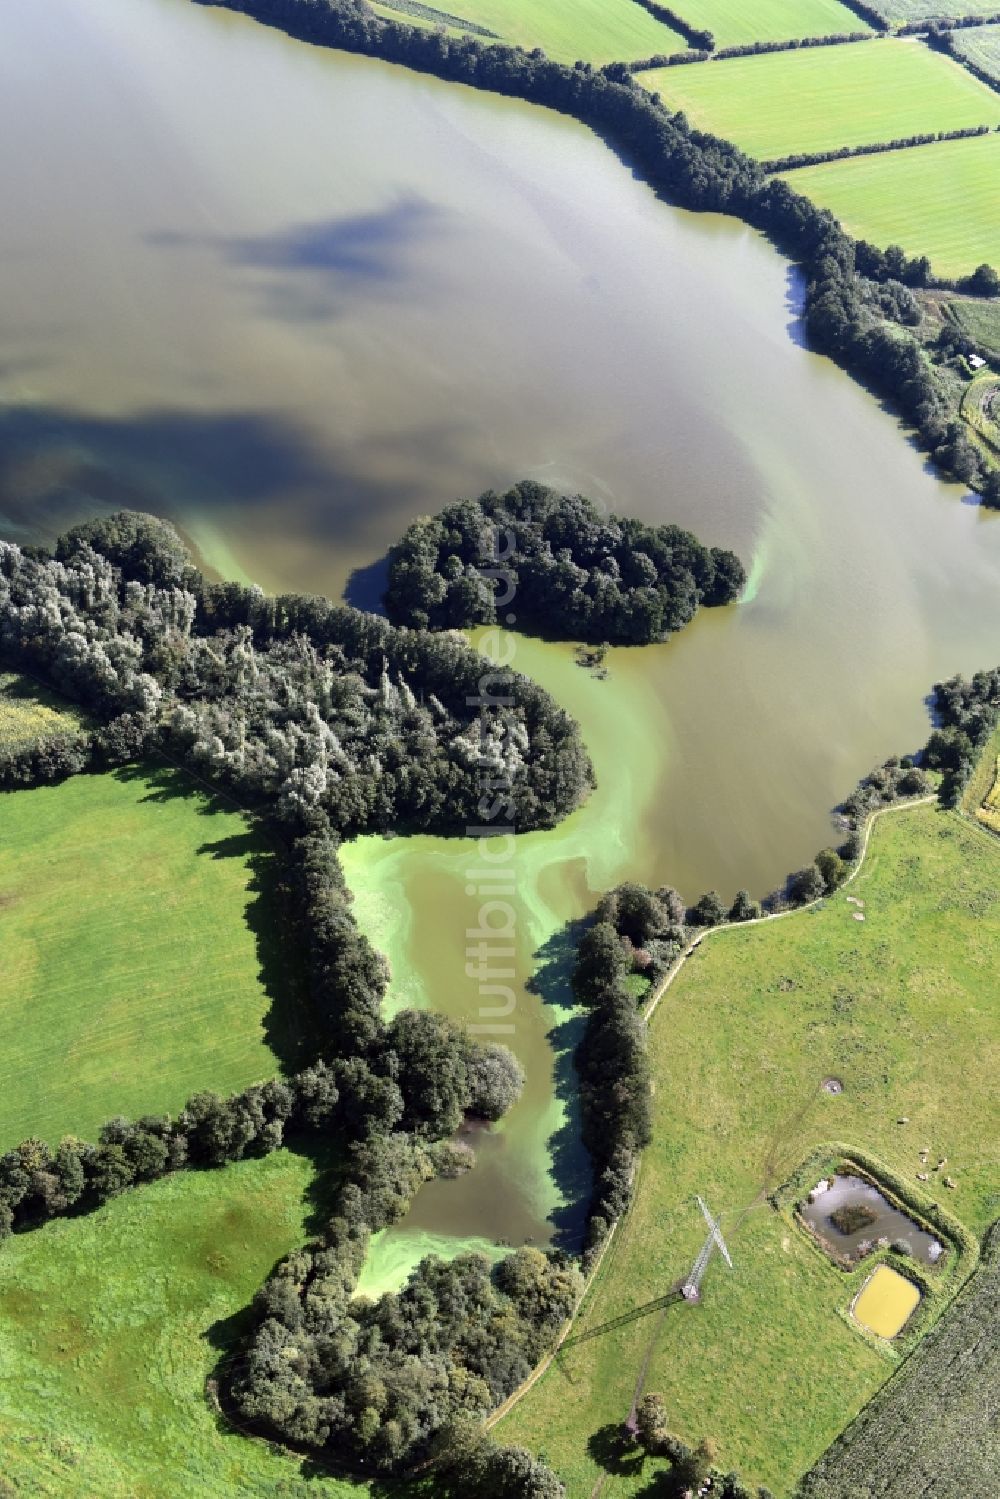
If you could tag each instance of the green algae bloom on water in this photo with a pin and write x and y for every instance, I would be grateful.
(886, 1302)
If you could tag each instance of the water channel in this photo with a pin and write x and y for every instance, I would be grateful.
(294, 299)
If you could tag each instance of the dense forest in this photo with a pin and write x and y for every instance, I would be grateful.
(701, 172)
(555, 564)
(327, 714)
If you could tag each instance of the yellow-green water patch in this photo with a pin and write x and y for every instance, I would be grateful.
(392, 1257)
(419, 900)
(886, 1302)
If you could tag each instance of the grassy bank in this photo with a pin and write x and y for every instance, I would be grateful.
(822, 98)
(902, 1009)
(109, 1326)
(131, 913)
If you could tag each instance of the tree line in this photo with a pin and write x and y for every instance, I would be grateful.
(694, 36)
(873, 148)
(561, 566)
(694, 169)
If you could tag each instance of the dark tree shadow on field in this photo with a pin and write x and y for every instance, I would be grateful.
(612, 1449)
(288, 1028)
(168, 783)
(571, 1167)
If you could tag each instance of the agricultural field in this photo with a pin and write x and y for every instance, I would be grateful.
(822, 98)
(29, 713)
(902, 1009)
(933, 1430)
(596, 31)
(936, 200)
(900, 12)
(981, 45)
(980, 320)
(111, 1323)
(733, 22)
(131, 908)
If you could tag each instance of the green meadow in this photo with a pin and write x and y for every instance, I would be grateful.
(131, 909)
(822, 98)
(936, 200)
(733, 22)
(596, 31)
(902, 1008)
(110, 1325)
(981, 45)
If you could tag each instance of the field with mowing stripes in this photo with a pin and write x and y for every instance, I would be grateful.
(903, 1009)
(733, 22)
(826, 97)
(110, 1325)
(937, 200)
(981, 45)
(130, 975)
(596, 31)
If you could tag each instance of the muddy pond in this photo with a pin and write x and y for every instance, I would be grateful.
(849, 1198)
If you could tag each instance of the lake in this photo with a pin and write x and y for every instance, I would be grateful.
(293, 299)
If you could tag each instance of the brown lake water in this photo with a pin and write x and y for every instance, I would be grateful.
(293, 299)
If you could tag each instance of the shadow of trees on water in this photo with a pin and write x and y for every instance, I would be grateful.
(571, 1168)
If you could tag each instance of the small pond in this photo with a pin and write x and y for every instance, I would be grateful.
(822, 1209)
(886, 1302)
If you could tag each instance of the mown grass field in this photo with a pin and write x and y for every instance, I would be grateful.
(903, 1009)
(110, 1325)
(899, 12)
(981, 45)
(825, 97)
(936, 200)
(596, 31)
(732, 22)
(29, 713)
(130, 975)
